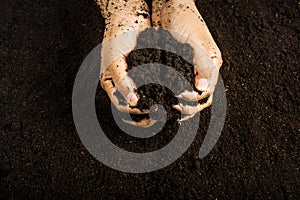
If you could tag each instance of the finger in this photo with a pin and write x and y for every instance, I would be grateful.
(185, 118)
(123, 83)
(192, 110)
(206, 74)
(193, 95)
(143, 123)
(108, 85)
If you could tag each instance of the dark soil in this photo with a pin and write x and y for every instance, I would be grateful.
(157, 93)
(153, 93)
(42, 46)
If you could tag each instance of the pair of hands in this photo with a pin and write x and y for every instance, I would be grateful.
(187, 25)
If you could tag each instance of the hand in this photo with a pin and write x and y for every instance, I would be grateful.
(121, 19)
(187, 26)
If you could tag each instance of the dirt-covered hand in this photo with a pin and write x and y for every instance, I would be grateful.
(187, 26)
(123, 23)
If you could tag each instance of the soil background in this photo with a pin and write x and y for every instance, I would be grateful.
(42, 45)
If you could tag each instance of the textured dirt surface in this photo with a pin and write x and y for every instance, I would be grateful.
(42, 46)
(158, 93)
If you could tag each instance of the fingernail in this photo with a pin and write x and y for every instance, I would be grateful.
(132, 99)
(179, 96)
(202, 84)
(177, 107)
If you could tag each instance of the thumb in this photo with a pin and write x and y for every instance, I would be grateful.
(123, 83)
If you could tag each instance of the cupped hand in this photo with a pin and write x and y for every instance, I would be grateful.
(186, 25)
(123, 23)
